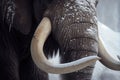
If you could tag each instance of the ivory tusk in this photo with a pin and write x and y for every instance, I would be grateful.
(106, 59)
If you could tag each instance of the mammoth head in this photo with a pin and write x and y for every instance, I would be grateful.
(67, 15)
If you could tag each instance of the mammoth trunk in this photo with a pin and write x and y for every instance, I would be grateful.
(79, 48)
(76, 41)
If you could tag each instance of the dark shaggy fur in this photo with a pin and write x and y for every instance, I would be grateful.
(18, 21)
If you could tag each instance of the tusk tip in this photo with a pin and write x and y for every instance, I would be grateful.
(98, 58)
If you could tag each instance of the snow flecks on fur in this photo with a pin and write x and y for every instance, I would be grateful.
(9, 12)
(70, 10)
(81, 8)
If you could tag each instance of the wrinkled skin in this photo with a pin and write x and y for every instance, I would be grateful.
(71, 25)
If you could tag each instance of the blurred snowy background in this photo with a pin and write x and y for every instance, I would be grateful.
(108, 12)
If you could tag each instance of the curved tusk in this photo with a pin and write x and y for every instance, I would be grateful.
(41, 61)
(106, 59)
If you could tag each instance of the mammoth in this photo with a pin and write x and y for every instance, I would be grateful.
(67, 25)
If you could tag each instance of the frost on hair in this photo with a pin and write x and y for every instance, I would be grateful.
(8, 12)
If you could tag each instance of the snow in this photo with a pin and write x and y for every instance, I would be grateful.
(91, 31)
(55, 59)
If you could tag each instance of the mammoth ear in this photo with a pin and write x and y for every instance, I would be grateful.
(23, 16)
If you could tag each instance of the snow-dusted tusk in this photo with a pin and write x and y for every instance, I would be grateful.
(39, 38)
(106, 59)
